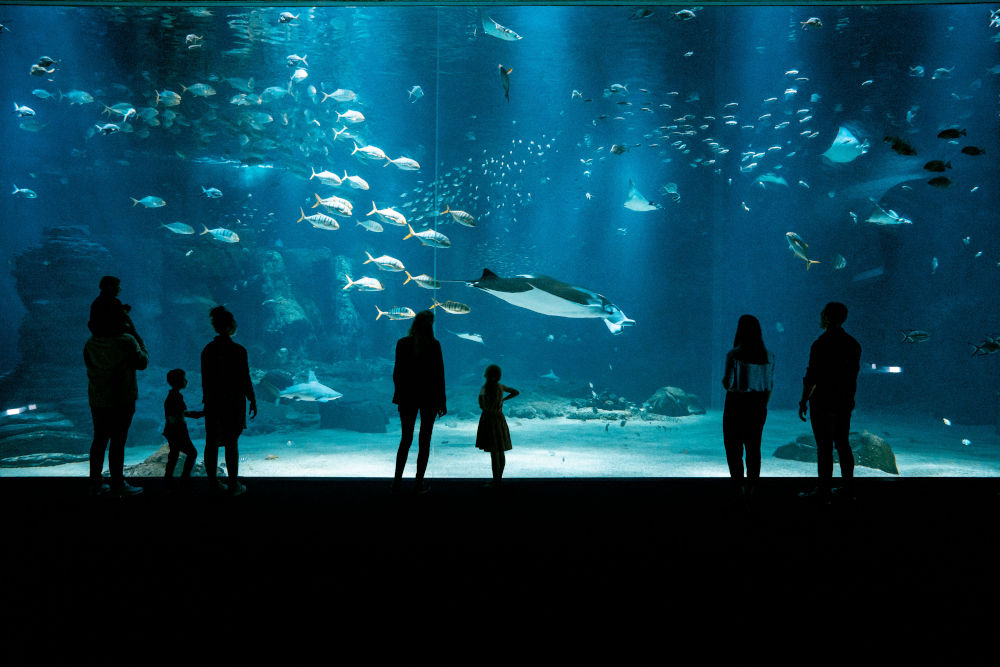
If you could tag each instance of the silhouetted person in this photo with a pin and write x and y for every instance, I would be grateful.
(828, 387)
(112, 361)
(493, 436)
(175, 430)
(418, 377)
(748, 380)
(226, 387)
(108, 315)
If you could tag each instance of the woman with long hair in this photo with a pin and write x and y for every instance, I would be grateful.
(748, 380)
(418, 376)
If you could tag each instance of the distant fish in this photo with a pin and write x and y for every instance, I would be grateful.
(341, 95)
(23, 111)
(211, 193)
(319, 221)
(415, 93)
(940, 182)
(397, 313)
(937, 165)
(24, 192)
(799, 248)
(149, 201)
(453, 307)
(973, 150)
(474, 337)
(404, 163)
(461, 217)
(179, 228)
(914, 336)
(385, 262)
(869, 274)
(364, 284)
(222, 234)
(423, 280)
(951, 133)
(550, 376)
(429, 237)
(287, 17)
(505, 80)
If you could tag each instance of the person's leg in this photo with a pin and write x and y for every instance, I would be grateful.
(116, 448)
(232, 461)
(102, 434)
(732, 437)
(407, 420)
(821, 426)
(211, 463)
(755, 431)
(841, 430)
(502, 461)
(191, 455)
(175, 451)
(427, 417)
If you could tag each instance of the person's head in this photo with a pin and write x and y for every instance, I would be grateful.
(748, 331)
(110, 285)
(223, 321)
(423, 325)
(749, 340)
(176, 379)
(834, 314)
(492, 373)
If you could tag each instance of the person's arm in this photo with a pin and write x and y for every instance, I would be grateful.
(511, 392)
(443, 399)
(248, 385)
(139, 358)
(808, 383)
(727, 376)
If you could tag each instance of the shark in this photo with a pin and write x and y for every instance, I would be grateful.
(310, 390)
(548, 296)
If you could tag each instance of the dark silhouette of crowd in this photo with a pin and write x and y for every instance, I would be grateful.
(115, 352)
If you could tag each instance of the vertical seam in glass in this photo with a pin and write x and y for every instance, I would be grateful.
(437, 123)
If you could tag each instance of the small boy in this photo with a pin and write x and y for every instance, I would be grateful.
(176, 431)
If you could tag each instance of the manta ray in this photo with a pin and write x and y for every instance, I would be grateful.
(636, 202)
(549, 296)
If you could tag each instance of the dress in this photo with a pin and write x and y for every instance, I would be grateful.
(493, 434)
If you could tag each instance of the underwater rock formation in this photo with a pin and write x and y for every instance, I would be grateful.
(43, 459)
(156, 465)
(27, 433)
(674, 402)
(869, 451)
(56, 282)
(285, 323)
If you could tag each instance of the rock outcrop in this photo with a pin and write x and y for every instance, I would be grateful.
(674, 402)
(869, 450)
(156, 465)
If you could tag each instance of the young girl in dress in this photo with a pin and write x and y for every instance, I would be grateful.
(493, 435)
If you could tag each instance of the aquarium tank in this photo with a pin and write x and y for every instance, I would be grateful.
(589, 196)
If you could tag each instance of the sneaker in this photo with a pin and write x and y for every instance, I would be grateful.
(99, 489)
(237, 488)
(126, 489)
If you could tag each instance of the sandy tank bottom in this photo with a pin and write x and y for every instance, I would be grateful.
(684, 447)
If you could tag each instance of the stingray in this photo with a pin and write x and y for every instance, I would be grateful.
(636, 202)
(549, 296)
(853, 185)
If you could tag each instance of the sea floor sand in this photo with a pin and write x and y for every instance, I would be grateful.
(560, 447)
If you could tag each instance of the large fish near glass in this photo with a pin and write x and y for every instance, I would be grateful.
(549, 296)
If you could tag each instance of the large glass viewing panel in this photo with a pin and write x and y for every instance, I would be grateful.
(667, 168)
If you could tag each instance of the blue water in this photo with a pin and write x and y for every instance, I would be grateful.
(538, 174)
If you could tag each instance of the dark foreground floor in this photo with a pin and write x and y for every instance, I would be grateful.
(584, 561)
